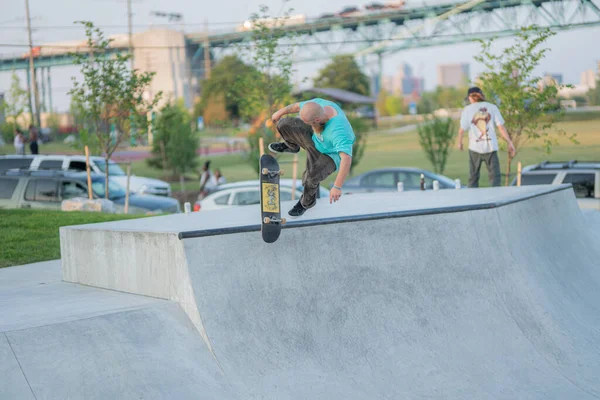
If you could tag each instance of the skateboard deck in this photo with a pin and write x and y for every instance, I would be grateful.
(270, 204)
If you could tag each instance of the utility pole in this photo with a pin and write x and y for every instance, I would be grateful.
(129, 23)
(35, 121)
(206, 52)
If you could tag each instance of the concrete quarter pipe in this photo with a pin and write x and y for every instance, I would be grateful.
(469, 294)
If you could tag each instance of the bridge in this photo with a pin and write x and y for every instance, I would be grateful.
(368, 37)
(379, 33)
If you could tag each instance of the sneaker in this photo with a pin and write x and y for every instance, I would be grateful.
(281, 147)
(297, 210)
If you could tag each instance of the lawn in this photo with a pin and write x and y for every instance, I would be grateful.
(28, 236)
(403, 149)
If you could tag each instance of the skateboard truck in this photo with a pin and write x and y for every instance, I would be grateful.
(274, 220)
(266, 171)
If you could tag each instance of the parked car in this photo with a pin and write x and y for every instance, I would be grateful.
(137, 184)
(248, 192)
(386, 180)
(47, 189)
(583, 175)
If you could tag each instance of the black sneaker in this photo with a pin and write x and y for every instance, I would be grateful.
(281, 147)
(297, 210)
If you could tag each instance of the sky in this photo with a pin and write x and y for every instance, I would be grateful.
(572, 52)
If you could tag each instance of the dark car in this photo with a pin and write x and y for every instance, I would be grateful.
(47, 190)
(387, 179)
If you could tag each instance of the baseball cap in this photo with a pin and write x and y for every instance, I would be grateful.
(472, 90)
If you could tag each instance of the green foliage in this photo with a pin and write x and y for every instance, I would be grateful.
(593, 95)
(380, 104)
(267, 87)
(222, 84)
(528, 110)
(173, 133)
(15, 105)
(394, 105)
(361, 129)
(435, 137)
(110, 99)
(343, 73)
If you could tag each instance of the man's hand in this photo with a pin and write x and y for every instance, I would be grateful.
(275, 117)
(511, 149)
(459, 142)
(334, 195)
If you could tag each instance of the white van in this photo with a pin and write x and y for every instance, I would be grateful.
(137, 184)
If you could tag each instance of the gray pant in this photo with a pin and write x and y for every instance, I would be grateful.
(491, 162)
(318, 165)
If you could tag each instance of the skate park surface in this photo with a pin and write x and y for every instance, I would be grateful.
(455, 294)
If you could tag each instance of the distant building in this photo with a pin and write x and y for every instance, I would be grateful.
(404, 83)
(589, 78)
(163, 51)
(453, 75)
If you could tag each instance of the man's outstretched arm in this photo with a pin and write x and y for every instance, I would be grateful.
(335, 193)
(291, 109)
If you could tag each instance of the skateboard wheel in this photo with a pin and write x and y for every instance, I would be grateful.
(267, 220)
(280, 172)
(265, 171)
(283, 221)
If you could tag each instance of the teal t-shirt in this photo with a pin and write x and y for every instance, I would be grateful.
(337, 135)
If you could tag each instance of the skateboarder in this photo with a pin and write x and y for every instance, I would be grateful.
(326, 135)
(479, 118)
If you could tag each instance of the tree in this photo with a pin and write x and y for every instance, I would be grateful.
(267, 88)
(529, 110)
(175, 143)
(222, 84)
(110, 99)
(381, 104)
(14, 106)
(361, 130)
(343, 73)
(435, 137)
(593, 95)
(394, 105)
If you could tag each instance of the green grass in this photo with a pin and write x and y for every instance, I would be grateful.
(28, 236)
(390, 150)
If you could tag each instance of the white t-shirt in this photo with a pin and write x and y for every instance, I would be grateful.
(480, 120)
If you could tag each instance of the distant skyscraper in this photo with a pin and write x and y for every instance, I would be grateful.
(588, 78)
(404, 83)
(453, 75)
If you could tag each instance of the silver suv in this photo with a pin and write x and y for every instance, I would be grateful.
(583, 175)
(47, 189)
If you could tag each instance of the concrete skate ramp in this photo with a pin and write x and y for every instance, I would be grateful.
(67, 341)
(474, 294)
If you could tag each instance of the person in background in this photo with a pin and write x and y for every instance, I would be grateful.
(33, 139)
(219, 177)
(479, 119)
(19, 142)
(207, 180)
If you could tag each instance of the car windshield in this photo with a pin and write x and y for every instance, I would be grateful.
(113, 168)
(115, 191)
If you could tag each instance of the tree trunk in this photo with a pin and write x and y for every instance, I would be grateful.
(508, 162)
(106, 178)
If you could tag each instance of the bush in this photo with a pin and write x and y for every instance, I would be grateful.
(361, 129)
(435, 137)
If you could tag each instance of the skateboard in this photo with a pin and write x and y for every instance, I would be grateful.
(270, 204)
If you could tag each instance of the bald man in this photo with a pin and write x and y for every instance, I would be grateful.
(326, 135)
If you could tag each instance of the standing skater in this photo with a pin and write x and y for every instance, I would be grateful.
(479, 118)
(326, 135)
